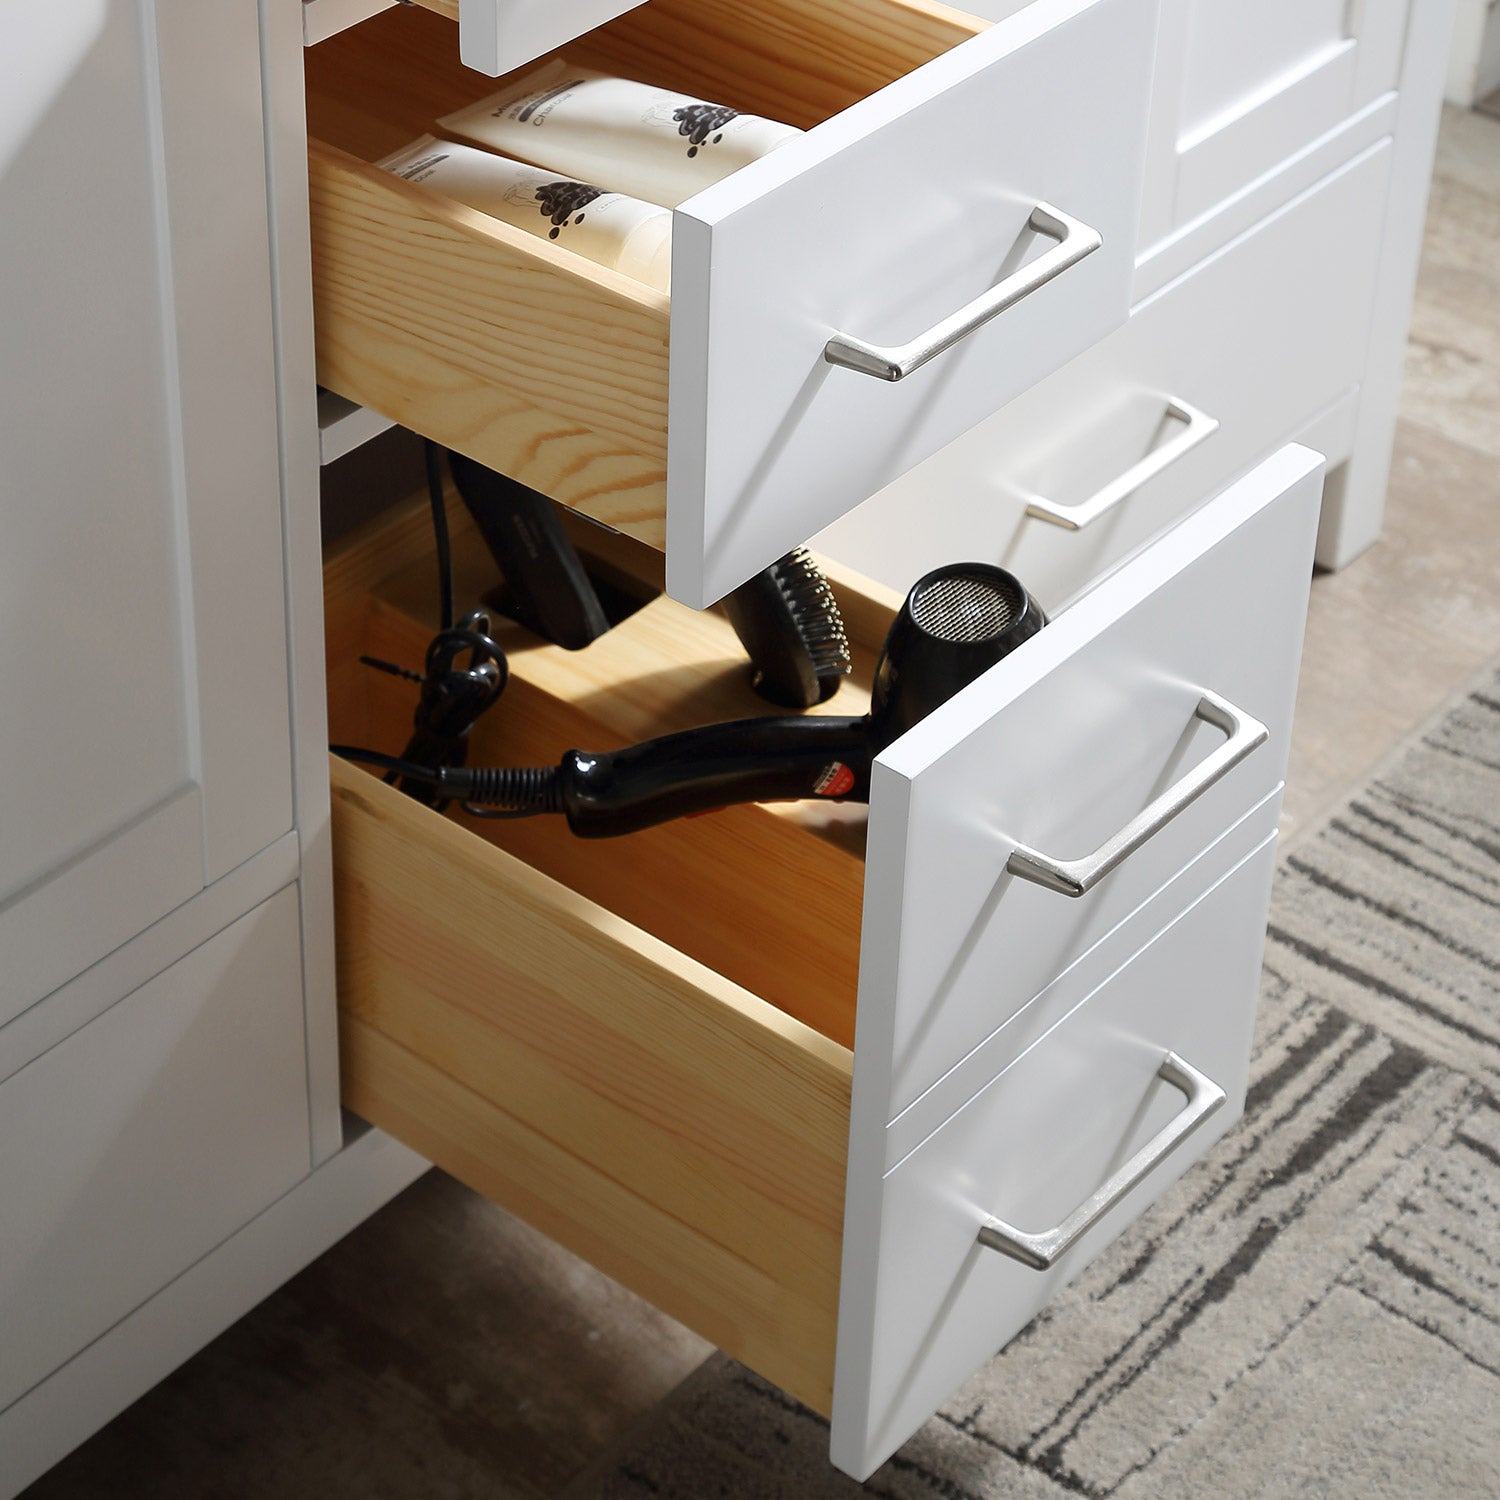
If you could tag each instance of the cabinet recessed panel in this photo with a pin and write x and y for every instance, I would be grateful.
(142, 625)
(146, 1138)
(1242, 85)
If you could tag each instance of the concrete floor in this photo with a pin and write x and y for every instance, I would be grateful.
(444, 1349)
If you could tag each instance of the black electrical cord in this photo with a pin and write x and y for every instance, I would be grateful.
(434, 458)
(465, 671)
(485, 791)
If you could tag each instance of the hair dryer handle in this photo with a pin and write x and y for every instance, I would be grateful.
(748, 760)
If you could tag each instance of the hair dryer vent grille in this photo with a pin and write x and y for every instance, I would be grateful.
(965, 607)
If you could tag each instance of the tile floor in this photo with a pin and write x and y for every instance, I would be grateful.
(444, 1349)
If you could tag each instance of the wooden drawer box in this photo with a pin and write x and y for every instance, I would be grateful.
(669, 1051)
(890, 217)
(1200, 384)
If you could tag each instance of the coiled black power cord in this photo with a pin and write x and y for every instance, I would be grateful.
(483, 791)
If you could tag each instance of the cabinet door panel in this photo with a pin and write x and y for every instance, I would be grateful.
(1244, 84)
(143, 664)
(147, 1137)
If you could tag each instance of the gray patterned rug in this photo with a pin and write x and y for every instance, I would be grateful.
(1315, 1309)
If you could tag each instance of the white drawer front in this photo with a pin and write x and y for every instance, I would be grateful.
(880, 225)
(498, 35)
(1244, 84)
(139, 1143)
(925, 1303)
(1249, 347)
(1057, 749)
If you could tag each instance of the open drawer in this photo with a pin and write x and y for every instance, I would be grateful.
(958, 220)
(669, 1052)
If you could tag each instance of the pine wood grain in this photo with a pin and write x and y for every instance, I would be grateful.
(373, 88)
(537, 363)
(524, 356)
(680, 1133)
(770, 896)
(801, 61)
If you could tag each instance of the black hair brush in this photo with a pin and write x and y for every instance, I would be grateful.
(790, 626)
(786, 617)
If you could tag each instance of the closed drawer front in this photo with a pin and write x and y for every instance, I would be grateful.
(891, 217)
(668, 1051)
(1245, 84)
(1055, 1126)
(1209, 375)
(138, 1144)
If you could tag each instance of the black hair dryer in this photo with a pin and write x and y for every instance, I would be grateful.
(955, 624)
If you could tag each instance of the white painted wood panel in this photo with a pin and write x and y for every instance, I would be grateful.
(143, 1140)
(322, 19)
(1057, 748)
(1080, 979)
(1244, 84)
(1238, 50)
(286, 166)
(141, 610)
(98, 737)
(494, 35)
(1261, 337)
(213, 168)
(498, 35)
(924, 1304)
(879, 224)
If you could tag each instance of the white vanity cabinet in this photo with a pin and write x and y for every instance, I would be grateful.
(1058, 292)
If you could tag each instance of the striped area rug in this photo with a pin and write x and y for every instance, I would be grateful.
(1314, 1310)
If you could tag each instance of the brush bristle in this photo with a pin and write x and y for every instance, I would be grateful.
(815, 612)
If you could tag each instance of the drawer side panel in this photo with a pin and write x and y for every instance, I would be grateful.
(442, 320)
(680, 1134)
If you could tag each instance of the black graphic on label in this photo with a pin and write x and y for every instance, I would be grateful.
(699, 121)
(564, 203)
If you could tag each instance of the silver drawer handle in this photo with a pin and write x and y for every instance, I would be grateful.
(1074, 241)
(1042, 1251)
(1076, 877)
(1198, 426)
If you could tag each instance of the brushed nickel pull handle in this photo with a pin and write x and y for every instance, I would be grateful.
(1074, 239)
(1198, 426)
(1076, 877)
(1042, 1251)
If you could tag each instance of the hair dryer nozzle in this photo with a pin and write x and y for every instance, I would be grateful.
(956, 623)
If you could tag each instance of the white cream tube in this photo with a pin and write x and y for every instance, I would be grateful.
(609, 228)
(632, 137)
